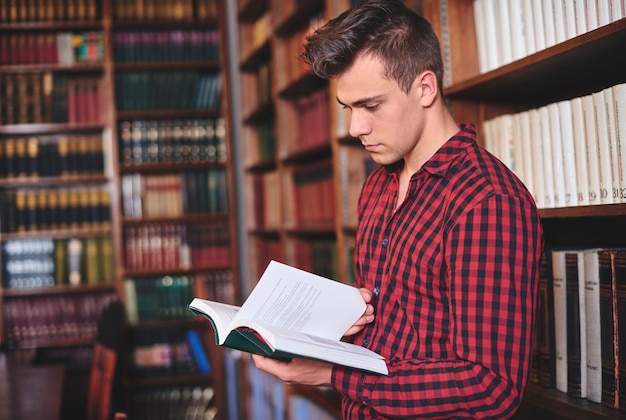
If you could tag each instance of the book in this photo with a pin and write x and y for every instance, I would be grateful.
(560, 318)
(608, 330)
(592, 326)
(576, 324)
(287, 315)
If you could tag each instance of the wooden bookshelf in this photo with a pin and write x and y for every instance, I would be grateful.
(202, 52)
(571, 68)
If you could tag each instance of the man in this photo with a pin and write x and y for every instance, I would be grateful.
(448, 241)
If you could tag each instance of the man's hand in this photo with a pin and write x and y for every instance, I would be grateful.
(312, 372)
(366, 318)
(297, 371)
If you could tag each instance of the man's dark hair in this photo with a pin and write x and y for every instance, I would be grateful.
(388, 30)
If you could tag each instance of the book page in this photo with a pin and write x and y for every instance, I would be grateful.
(220, 314)
(292, 299)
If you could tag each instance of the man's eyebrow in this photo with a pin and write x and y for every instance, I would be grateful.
(361, 101)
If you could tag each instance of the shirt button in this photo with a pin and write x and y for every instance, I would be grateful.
(385, 242)
(366, 341)
(376, 291)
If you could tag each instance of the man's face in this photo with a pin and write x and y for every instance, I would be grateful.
(386, 120)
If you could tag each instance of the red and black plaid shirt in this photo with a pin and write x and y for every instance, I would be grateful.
(454, 273)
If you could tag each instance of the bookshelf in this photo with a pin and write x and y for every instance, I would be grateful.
(115, 157)
(539, 78)
(276, 162)
(56, 187)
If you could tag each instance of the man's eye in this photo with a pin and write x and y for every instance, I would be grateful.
(371, 107)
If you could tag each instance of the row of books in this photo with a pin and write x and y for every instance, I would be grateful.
(57, 155)
(189, 403)
(173, 90)
(44, 97)
(313, 119)
(176, 246)
(63, 48)
(508, 30)
(29, 263)
(318, 256)
(159, 352)
(266, 209)
(53, 317)
(579, 326)
(49, 10)
(83, 207)
(158, 298)
(156, 46)
(190, 192)
(314, 196)
(569, 153)
(172, 10)
(145, 142)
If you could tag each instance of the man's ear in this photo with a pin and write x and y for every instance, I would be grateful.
(426, 83)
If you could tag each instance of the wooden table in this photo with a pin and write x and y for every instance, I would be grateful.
(30, 392)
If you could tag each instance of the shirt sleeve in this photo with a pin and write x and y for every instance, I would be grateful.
(492, 255)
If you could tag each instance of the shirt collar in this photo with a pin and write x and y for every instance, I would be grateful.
(440, 162)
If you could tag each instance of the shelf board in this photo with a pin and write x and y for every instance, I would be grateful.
(310, 154)
(320, 230)
(61, 289)
(36, 343)
(553, 74)
(541, 402)
(51, 26)
(305, 10)
(184, 218)
(251, 10)
(49, 128)
(168, 66)
(258, 57)
(175, 271)
(268, 165)
(165, 24)
(264, 113)
(52, 67)
(169, 167)
(47, 181)
(304, 85)
(584, 211)
(55, 234)
(268, 233)
(168, 114)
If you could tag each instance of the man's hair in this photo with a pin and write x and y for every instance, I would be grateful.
(387, 30)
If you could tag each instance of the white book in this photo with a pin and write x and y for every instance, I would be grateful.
(580, 8)
(617, 11)
(558, 10)
(592, 149)
(560, 318)
(580, 151)
(540, 34)
(604, 12)
(592, 326)
(604, 148)
(613, 146)
(619, 109)
(548, 23)
(577, 283)
(539, 179)
(503, 26)
(557, 154)
(570, 18)
(518, 151)
(592, 14)
(569, 155)
(293, 313)
(491, 34)
(518, 30)
(505, 133)
(548, 167)
(481, 36)
(527, 151)
(529, 26)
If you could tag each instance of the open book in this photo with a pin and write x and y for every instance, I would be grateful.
(293, 313)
